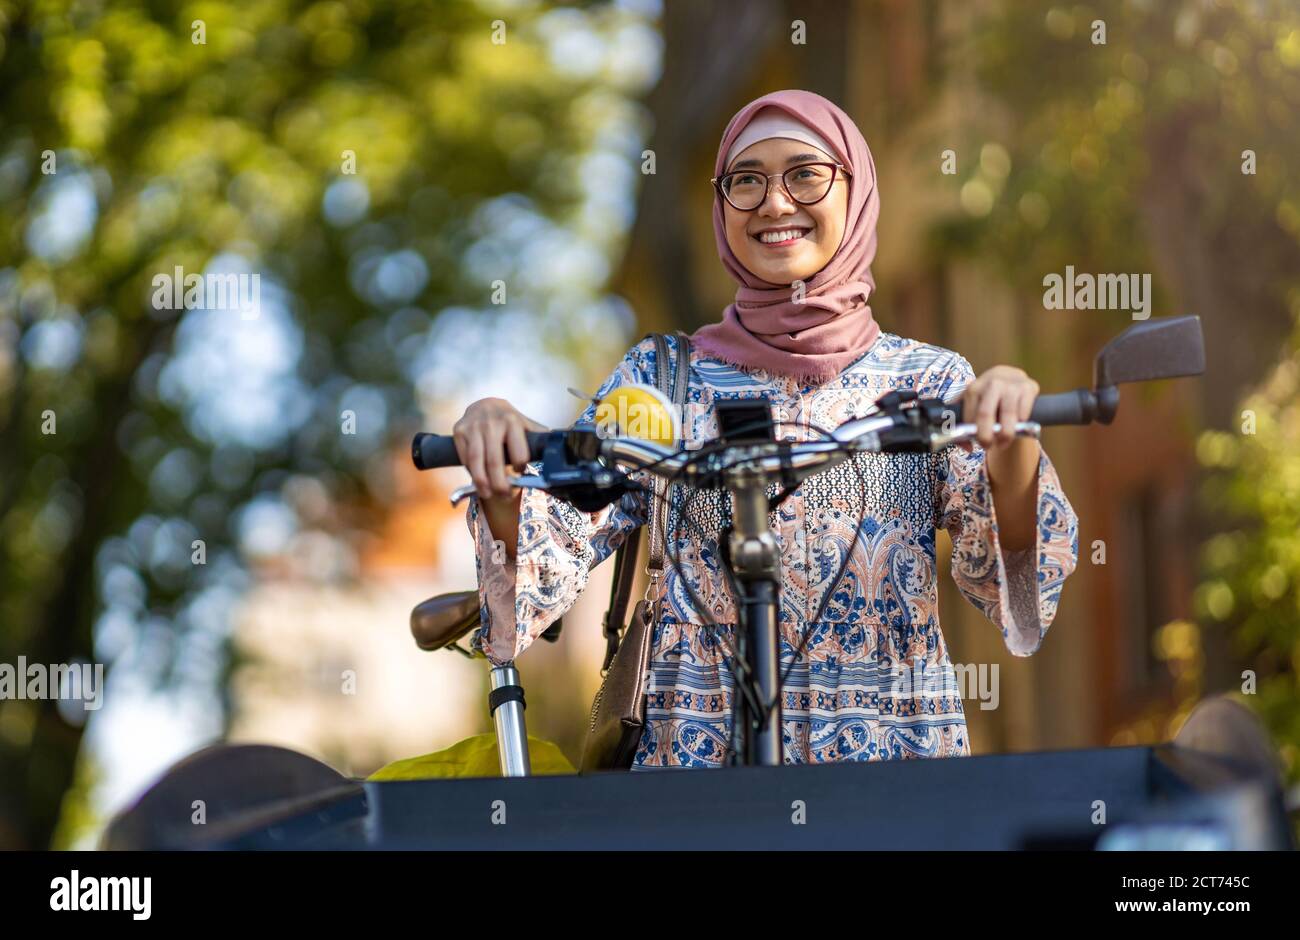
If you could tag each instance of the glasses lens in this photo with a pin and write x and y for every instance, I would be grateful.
(809, 183)
(744, 190)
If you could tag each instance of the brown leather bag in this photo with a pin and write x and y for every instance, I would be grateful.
(618, 712)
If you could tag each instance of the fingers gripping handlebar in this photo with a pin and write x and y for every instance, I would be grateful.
(430, 451)
(1081, 406)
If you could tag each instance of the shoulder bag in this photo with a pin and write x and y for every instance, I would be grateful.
(618, 712)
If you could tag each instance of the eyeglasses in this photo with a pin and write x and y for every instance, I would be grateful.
(806, 184)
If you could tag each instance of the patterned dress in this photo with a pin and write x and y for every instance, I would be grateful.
(875, 681)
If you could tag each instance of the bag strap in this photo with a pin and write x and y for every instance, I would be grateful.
(674, 384)
(620, 594)
(678, 381)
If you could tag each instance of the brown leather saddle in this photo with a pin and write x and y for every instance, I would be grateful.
(443, 621)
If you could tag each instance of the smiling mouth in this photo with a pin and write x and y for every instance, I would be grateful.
(781, 236)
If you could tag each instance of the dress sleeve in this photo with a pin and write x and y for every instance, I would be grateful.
(558, 547)
(1017, 590)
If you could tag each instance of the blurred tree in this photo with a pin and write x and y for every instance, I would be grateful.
(1148, 136)
(1162, 136)
(361, 157)
(1252, 571)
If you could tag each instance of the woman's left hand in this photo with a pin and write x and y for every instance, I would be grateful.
(1003, 395)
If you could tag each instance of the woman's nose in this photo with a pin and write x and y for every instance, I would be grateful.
(777, 202)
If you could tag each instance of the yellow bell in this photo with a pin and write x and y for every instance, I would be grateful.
(641, 412)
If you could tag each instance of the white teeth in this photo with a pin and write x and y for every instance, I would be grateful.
(781, 235)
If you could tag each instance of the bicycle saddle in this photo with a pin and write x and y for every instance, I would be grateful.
(443, 620)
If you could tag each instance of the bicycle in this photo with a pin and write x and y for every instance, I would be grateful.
(588, 468)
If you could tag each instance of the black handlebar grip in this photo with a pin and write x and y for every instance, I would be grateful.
(1076, 407)
(434, 450)
(430, 451)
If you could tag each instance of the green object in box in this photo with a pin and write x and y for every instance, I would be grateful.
(474, 757)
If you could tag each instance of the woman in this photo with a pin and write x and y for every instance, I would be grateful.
(794, 217)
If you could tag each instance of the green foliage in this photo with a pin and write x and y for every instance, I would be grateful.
(1089, 139)
(1091, 119)
(220, 133)
(1130, 155)
(1252, 578)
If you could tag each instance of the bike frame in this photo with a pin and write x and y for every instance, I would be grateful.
(507, 704)
(756, 565)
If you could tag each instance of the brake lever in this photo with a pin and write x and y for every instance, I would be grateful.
(532, 481)
(965, 432)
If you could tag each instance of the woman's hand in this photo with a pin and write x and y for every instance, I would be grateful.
(1005, 395)
(490, 429)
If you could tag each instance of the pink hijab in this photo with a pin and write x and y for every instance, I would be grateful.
(765, 329)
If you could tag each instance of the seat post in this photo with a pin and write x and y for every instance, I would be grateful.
(507, 704)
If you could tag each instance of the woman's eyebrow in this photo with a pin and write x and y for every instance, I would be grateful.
(753, 163)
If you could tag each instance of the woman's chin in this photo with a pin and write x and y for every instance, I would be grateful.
(785, 273)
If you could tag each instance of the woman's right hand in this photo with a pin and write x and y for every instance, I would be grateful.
(491, 429)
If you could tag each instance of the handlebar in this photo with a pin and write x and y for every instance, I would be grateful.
(1081, 406)
(585, 462)
(581, 462)
(431, 451)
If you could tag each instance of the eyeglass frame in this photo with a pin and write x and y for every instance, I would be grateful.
(767, 183)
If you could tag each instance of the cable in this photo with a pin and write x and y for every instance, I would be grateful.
(744, 682)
